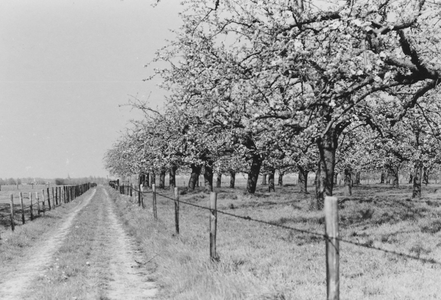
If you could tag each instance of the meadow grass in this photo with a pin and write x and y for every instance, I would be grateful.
(259, 261)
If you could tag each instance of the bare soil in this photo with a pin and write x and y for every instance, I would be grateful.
(114, 267)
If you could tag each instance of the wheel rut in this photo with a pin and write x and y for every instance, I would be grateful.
(19, 280)
(115, 269)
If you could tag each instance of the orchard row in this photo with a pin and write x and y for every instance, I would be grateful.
(295, 86)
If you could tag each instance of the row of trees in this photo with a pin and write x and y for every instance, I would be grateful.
(301, 86)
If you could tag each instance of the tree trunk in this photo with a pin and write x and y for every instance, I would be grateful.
(303, 180)
(144, 179)
(417, 178)
(232, 179)
(394, 176)
(426, 175)
(152, 179)
(280, 180)
(253, 174)
(162, 179)
(219, 180)
(348, 183)
(327, 146)
(411, 178)
(382, 177)
(172, 176)
(208, 176)
(357, 180)
(194, 177)
(271, 185)
(264, 182)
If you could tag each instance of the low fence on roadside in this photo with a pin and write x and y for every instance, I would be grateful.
(331, 235)
(23, 207)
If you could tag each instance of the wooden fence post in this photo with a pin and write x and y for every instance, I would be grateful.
(332, 248)
(22, 208)
(55, 195)
(44, 203)
(49, 198)
(213, 226)
(139, 194)
(142, 196)
(155, 209)
(60, 196)
(12, 213)
(31, 207)
(38, 203)
(177, 210)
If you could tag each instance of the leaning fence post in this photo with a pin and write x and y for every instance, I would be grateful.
(31, 207)
(332, 248)
(213, 226)
(155, 209)
(12, 213)
(38, 203)
(177, 210)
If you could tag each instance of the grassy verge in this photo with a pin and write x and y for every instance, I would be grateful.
(14, 245)
(258, 261)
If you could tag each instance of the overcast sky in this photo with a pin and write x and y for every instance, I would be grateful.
(65, 67)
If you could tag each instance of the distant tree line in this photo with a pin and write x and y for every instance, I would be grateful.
(56, 181)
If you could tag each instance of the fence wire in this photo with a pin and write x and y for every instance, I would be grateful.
(320, 235)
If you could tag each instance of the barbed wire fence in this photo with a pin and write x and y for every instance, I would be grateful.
(331, 235)
(20, 207)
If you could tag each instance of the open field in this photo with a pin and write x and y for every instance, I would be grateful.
(259, 261)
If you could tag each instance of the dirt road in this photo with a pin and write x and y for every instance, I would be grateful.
(88, 256)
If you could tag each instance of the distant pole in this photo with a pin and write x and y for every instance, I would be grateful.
(177, 210)
(213, 226)
(332, 248)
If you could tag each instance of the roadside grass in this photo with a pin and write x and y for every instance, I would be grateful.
(259, 261)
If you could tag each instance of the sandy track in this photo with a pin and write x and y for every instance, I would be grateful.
(19, 280)
(122, 276)
(116, 268)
